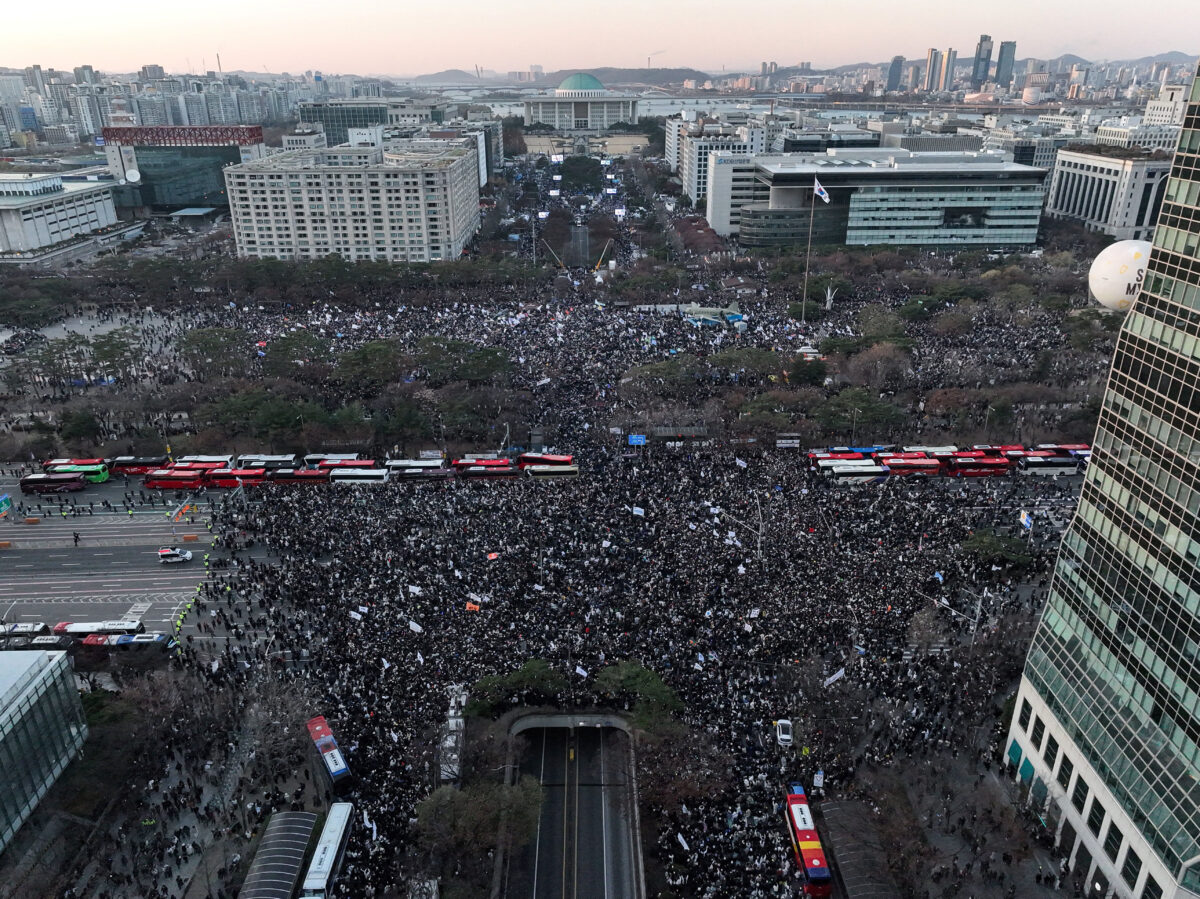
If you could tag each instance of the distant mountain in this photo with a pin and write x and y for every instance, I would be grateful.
(448, 76)
(609, 75)
(1171, 58)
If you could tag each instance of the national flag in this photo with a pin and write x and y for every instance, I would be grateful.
(582, 672)
(355, 615)
(639, 511)
(819, 191)
(386, 664)
(415, 628)
(741, 463)
(1027, 521)
(420, 658)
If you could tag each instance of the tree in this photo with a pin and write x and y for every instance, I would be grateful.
(810, 372)
(990, 548)
(883, 366)
(457, 828)
(856, 408)
(534, 681)
(877, 322)
(216, 351)
(582, 174)
(366, 367)
(82, 426)
(295, 355)
(117, 352)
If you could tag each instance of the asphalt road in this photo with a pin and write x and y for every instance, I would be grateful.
(584, 846)
(113, 572)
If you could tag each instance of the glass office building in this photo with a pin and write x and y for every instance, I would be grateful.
(41, 730)
(1106, 732)
(173, 177)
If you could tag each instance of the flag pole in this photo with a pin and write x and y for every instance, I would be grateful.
(812, 204)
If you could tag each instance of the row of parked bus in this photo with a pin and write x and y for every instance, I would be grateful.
(195, 472)
(872, 464)
(94, 639)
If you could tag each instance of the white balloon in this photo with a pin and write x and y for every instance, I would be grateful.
(1116, 274)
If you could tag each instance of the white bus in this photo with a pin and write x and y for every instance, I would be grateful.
(930, 450)
(226, 461)
(860, 474)
(327, 858)
(359, 475)
(829, 466)
(413, 464)
(312, 460)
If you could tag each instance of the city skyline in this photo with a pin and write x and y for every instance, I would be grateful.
(416, 40)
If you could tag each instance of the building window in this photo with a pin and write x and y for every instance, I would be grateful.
(1026, 711)
(1095, 817)
(1132, 868)
(1051, 753)
(1039, 731)
(1065, 772)
(1152, 890)
(1113, 840)
(1079, 797)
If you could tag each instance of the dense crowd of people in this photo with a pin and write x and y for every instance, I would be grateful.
(373, 587)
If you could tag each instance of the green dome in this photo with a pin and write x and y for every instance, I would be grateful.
(581, 81)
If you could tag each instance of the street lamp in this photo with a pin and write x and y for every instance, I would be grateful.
(854, 426)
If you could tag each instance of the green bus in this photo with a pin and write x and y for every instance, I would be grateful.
(97, 474)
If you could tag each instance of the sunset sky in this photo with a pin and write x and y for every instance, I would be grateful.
(406, 37)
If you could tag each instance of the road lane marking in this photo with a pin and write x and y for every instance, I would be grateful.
(537, 846)
(603, 817)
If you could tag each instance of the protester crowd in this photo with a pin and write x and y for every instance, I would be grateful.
(651, 558)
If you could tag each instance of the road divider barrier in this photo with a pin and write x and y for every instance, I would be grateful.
(190, 538)
(33, 521)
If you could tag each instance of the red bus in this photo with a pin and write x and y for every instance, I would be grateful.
(468, 462)
(346, 463)
(986, 467)
(54, 463)
(196, 466)
(814, 459)
(299, 476)
(526, 459)
(173, 479)
(137, 464)
(63, 482)
(235, 477)
(921, 468)
(883, 458)
(332, 760)
(810, 856)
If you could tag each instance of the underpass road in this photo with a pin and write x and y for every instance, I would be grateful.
(584, 845)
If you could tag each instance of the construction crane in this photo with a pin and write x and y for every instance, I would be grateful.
(555, 255)
(602, 252)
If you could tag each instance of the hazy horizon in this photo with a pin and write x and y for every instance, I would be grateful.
(368, 38)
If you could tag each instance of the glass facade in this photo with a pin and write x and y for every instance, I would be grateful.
(41, 729)
(1116, 657)
(339, 118)
(175, 177)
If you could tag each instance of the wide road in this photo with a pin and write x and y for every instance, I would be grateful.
(114, 570)
(584, 845)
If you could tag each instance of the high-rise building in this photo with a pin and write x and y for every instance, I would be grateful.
(42, 728)
(153, 73)
(85, 75)
(424, 199)
(1106, 730)
(1005, 60)
(946, 78)
(933, 70)
(983, 61)
(895, 73)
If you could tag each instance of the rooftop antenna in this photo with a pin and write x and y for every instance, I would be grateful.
(219, 69)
